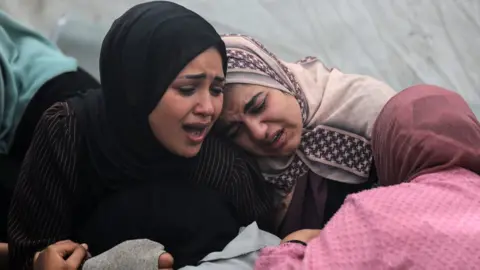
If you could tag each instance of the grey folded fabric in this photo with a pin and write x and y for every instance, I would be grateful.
(142, 254)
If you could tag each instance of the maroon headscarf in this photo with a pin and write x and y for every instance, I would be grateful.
(424, 129)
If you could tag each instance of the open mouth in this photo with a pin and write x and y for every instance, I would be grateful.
(196, 132)
(277, 136)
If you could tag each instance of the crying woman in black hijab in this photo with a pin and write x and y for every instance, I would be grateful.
(134, 160)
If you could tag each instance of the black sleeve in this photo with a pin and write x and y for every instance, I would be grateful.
(41, 206)
(226, 168)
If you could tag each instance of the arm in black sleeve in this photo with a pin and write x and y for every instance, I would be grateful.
(41, 206)
(229, 170)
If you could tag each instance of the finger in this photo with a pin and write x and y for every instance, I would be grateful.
(85, 246)
(77, 257)
(63, 249)
(64, 241)
(165, 261)
(35, 257)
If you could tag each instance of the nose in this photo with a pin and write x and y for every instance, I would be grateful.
(204, 106)
(256, 128)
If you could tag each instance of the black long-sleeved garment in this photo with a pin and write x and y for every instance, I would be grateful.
(52, 196)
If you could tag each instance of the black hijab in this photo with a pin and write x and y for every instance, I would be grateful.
(142, 53)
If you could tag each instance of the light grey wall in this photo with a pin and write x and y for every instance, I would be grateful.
(402, 42)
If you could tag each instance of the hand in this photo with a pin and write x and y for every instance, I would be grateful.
(3, 256)
(302, 235)
(165, 261)
(63, 255)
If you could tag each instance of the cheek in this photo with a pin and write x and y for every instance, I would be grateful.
(160, 122)
(173, 106)
(280, 108)
(247, 144)
(277, 114)
(294, 117)
(166, 118)
(243, 141)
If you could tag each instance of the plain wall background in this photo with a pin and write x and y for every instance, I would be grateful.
(402, 42)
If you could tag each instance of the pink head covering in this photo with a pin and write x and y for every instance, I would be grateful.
(424, 129)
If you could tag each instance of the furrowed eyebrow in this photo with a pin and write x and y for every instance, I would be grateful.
(195, 76)
(203, 76)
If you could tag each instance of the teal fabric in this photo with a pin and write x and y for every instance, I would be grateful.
(27, 61)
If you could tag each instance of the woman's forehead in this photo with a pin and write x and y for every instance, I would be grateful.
(241, 90)
(238, 95)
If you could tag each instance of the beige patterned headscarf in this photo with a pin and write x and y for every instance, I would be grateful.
(338, 112)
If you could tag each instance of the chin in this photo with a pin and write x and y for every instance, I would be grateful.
(190, 151)
(285, 153)
(289, 150)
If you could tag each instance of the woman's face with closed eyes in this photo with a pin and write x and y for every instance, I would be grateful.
(264, 121)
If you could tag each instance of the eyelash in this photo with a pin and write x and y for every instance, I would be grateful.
(216, 91)
(188, 91)
(259, 108)
(256, 110)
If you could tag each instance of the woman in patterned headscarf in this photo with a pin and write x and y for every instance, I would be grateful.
(309, 126)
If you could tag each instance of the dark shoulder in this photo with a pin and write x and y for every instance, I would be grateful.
(57, 122)
(58, 112)
(225, 153)
(218, 147)
(57, 116)
(224, 150)
(215, 161)
(237, 175)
